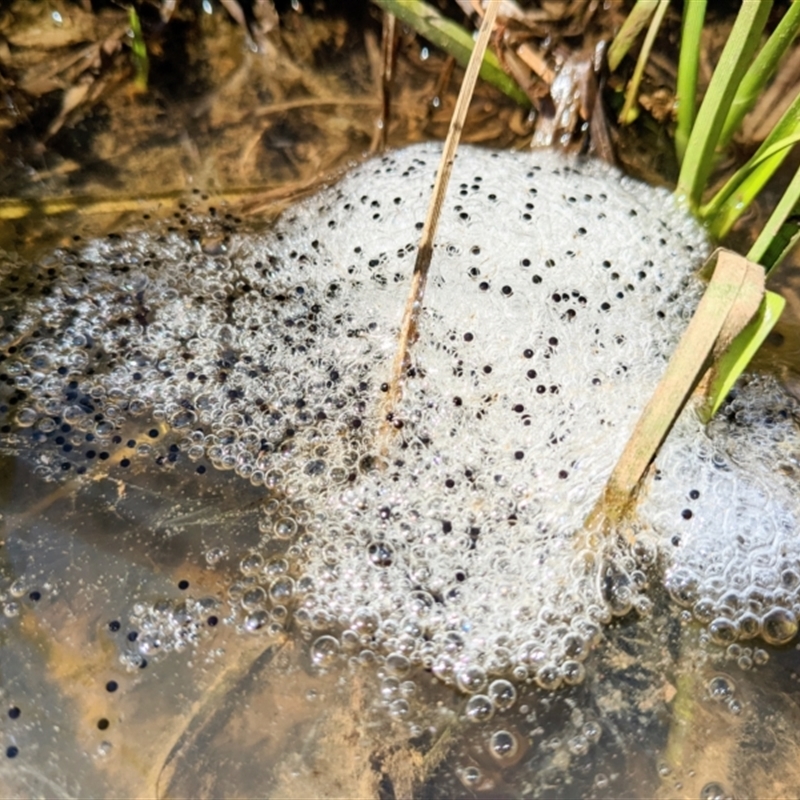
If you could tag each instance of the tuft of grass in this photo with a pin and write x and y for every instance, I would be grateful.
(741, 75)
(780, 232)
(735, 359)
(760, 71)
(732, 92)
(704, 138)
(722, 211)
(736, 313)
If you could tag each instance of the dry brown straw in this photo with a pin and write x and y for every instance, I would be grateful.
(730, 301)
(408, 328)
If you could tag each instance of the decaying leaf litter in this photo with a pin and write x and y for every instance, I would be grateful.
(429, 57)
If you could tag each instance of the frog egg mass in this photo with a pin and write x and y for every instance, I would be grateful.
(452, 537)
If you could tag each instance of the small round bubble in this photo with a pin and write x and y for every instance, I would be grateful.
(325, 651)
(479, 708)
(503, 746)
(503, 694)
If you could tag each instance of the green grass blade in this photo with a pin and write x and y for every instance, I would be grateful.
(454, 40)
(780, 234)
(629, 110)
(739, 192)
(787, 206)
(742, 349)
(760, 71)
(139, 49)
(694, 14)
(634, 24)
(737, 54)
(783, 242)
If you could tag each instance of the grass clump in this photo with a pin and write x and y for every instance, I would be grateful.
(701, 135)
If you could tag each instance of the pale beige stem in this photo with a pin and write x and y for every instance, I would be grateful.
(730, 301)
(408, 328)
(388, 55)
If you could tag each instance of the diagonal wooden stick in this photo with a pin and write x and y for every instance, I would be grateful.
(730, 301)
(408, 328)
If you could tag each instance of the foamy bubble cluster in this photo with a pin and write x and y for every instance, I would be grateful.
(725, 499)
(558, 290)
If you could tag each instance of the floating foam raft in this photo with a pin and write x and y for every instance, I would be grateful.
(558, 290)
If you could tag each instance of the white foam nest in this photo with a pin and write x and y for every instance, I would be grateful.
(558, 290)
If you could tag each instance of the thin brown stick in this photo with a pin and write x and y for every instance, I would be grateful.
(388, 54)
(537, 62)
(408, 328)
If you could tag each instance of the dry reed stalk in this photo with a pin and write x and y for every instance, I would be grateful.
(408, 328)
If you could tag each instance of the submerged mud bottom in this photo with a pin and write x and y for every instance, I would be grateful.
(115, 560)
(439, 554)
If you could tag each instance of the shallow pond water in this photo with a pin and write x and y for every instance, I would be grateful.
(125, 670)
(232, 714)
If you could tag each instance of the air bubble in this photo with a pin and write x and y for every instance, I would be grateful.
(325, 651)
(471, 679)
(380, 554)
(503, 746)
(779, 626)
(250, 565)
(592, 731)
(548, 677)
(578, 745)
(470, 776)
(723, 631)
(284, 528)
(713, 791)
(397, 664)
(573, 672)
(503, 694)
(479, 708)
(254, 598)
(256, 620)
(721, 688)
(26, 417)
(400, 708)
(365, 621)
